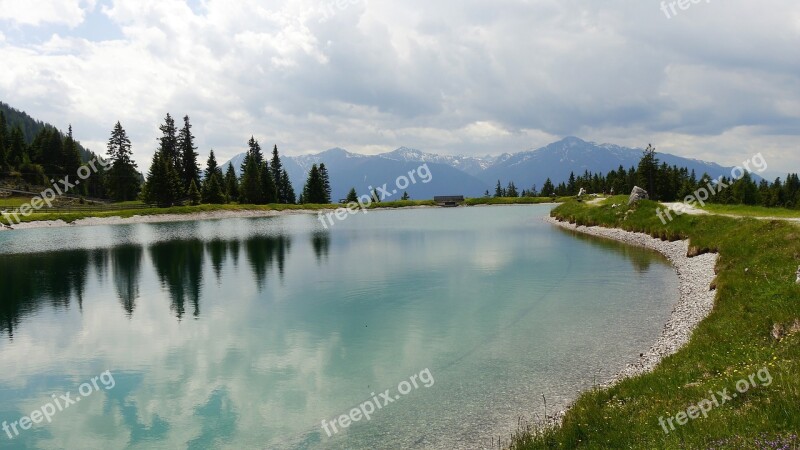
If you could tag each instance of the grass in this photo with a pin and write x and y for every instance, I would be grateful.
(753, 211)
(14, 201)
(513, 201)
(756, 292)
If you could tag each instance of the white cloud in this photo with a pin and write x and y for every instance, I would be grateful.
(453, 77)
(38, 12)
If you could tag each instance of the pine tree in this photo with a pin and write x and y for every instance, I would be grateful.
(70, 157)
(251, 190)
(194, 193)
(212, 169)
(498, 190)
(405, 196)
(231, 184)
(122, 178)
(511, 190)
(648, 172)
(162, 186)
(326, 184)
(213, 191)
(3, 142)
(352, 196)
(287, 188)
(187, 155)
(548, 189)
(314, 190)
(278, 175)
(270, 191)
(169, 143)
(52, 151)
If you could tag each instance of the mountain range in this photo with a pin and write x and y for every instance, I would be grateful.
(472, 176)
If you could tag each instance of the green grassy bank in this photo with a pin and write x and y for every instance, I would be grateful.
(755, 325)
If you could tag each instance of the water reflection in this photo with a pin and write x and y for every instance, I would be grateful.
(179, 265)
(641, 261)
(30, 281)
(127, 261)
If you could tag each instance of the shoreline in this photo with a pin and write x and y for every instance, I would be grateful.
(186, 217)
(696, 300)
(206, 215)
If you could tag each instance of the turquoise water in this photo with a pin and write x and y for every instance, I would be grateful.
(248, 333)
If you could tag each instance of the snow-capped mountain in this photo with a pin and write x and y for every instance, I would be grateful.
(472, 175)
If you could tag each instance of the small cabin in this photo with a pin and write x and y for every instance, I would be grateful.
(448, 200)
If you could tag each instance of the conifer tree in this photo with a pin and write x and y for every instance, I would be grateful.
(352, 196)
(213, 181)
(231, 184)
(251, 189)
(326, 184)
(162, 186)
(3, 142)
(187, 155)
(287, 188)
(194, 193)
(169, 143)
(70, 157)
(314, 190)
(268, 188)
(122, 178)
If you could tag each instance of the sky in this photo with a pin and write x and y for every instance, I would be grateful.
(718, 81)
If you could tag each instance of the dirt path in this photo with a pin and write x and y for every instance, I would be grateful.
(695, 211)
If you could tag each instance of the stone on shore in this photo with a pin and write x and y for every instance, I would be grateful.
(637, 194)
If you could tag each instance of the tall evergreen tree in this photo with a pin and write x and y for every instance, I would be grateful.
(250, 189)
(268, 187)
(162, 186)
(3, 142)
(314, 190)
(326, 184)
(169, 143)
(70, 156)
(231, 184)
(213, 182)
(287, 188)
(648, 171)
(122, 177)
(187, 155)
(277, 176)
(352, 196)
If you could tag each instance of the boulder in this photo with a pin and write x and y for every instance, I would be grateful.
(798, 275)
(637, 194)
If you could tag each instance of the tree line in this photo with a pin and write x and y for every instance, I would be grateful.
(175, 176)
(667, 184)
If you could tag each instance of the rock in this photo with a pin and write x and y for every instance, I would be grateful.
(582, 192)
(798, 276)
(638, 194)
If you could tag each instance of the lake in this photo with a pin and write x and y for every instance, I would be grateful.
(249, 333)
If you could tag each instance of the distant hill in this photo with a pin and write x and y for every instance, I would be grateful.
(31, 127)
(557, 160)
(351, 170)
(472, 176)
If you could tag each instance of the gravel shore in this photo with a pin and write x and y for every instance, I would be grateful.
(696, 301)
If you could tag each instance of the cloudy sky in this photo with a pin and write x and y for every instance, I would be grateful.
(718, 81)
